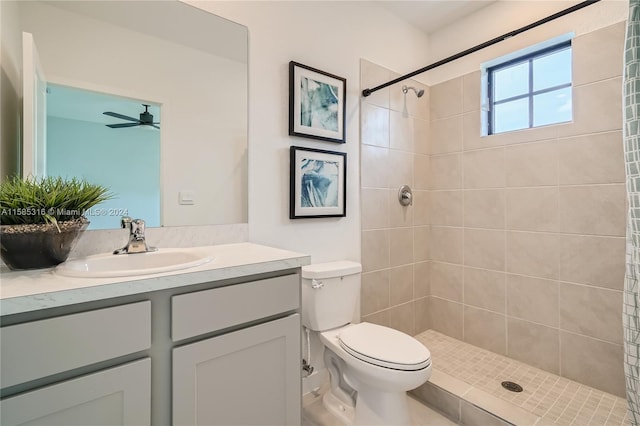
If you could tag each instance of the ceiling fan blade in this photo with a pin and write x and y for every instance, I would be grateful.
(117, 126)
(154, 125)
(124, 117)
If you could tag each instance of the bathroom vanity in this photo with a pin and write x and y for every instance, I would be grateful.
(217, 344)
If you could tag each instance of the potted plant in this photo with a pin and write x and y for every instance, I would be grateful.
(41, 218)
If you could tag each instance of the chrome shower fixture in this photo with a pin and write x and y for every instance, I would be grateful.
(418, 93)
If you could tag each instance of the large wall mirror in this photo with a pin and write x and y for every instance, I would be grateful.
(181, 64)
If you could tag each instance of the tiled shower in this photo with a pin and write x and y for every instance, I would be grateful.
(514, 242)
(395, 239)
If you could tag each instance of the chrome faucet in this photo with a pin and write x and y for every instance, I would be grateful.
(137, 242)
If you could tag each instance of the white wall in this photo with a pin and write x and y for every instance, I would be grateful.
(331, 36)
(504, 16)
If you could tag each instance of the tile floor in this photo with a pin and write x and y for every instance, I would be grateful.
(314, 414)
(555, 400)
(548, 399)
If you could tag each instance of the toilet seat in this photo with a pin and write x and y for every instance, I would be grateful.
(384, 347)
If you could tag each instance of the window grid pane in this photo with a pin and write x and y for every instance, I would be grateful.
(552, 107)
(543, 98)
(511, 81)
(513, 115)
(551, 70)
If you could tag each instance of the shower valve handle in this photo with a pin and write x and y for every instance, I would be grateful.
(405, 196)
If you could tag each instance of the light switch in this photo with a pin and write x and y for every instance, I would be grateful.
(187, 197)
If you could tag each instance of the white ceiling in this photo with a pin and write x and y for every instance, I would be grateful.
(431, 15)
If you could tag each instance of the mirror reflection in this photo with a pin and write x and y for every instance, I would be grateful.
(89, 132)
(187, 65)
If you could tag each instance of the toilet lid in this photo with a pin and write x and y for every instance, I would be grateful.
(384, 347)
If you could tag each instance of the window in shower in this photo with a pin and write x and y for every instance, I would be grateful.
(529, 90)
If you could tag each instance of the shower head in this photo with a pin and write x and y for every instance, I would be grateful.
(418, 93)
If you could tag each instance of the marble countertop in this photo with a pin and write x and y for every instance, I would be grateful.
(26, 291)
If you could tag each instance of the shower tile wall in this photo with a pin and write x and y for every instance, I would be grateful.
(527, 228)
(394, 152)
(515, 242)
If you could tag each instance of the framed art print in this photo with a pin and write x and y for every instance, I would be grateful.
(318, 183)
(316, 104)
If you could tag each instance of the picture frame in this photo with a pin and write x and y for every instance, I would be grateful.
(316, 104)
(318, 183)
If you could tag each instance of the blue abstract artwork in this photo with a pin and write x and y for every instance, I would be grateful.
(318, 104)
(319, 183)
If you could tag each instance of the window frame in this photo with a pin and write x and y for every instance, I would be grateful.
(529, 57)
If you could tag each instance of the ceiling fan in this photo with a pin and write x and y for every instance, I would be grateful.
(146, 119)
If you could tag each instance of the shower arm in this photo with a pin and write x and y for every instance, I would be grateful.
(367, 92)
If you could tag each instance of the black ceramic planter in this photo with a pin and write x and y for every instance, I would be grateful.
(39, 246)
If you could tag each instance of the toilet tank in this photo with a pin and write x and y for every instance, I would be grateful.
(330, 292)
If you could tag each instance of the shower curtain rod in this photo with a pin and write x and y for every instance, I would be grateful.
(367, 92)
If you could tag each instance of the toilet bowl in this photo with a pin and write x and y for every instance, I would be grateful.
(381, 364)
(385, 357)
(376, 364)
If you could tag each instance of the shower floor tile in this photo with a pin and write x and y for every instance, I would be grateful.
(553, 400)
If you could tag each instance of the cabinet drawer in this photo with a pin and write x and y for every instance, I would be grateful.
(40, 348)
(210, 310)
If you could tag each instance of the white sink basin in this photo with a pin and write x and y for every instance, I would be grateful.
(122, 265)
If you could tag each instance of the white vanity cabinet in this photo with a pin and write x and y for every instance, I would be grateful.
(249, 376)
(63, 349)
(219, 347)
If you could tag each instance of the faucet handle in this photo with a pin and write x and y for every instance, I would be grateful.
(137, 226)
(137, 242)
(125, 222)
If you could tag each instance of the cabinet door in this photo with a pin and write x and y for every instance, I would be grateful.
(247, 377)
(117, 396)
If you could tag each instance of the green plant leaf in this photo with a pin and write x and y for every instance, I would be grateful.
(47, 199)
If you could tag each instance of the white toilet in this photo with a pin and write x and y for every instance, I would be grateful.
(371, 366)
